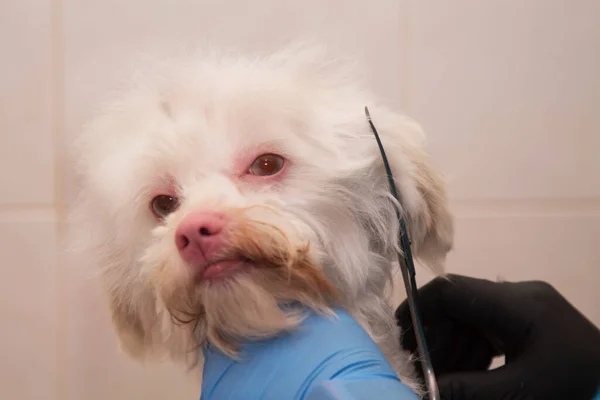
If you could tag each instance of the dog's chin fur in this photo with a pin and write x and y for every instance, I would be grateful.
(254, 303)
(321, 233)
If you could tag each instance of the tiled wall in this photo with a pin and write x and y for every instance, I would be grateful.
(507, 90)
(28, 228)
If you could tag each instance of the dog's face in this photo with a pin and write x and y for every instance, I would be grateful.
(231, 189)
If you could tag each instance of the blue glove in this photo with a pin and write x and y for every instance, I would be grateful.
(326, 359)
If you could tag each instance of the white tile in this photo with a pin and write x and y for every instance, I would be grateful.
(508, 92)
(26, 150)
(560, 248)
(28, 307)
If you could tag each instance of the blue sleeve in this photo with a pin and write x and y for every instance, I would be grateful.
(362, 389)
(326, 359)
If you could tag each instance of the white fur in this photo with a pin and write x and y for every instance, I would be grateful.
(191, 120)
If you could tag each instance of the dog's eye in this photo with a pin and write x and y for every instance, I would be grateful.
(266, 165)
(163, 205)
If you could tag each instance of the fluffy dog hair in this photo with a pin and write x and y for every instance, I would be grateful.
(322, 232)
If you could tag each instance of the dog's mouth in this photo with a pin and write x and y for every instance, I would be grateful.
(224, 268)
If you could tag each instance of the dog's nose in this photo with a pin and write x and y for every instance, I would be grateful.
(198, 236)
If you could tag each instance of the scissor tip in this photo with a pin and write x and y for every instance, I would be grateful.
(367, 113)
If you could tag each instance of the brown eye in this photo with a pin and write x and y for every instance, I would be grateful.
(163, 205)
(266, 165)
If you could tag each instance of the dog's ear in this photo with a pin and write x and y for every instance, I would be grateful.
(422, 189)
(91, 246)
(148, 334)
(133, 326)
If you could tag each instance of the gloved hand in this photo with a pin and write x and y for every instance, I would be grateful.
(326, 359)
(551, 350)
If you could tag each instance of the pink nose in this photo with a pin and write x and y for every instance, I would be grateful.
(198, 237)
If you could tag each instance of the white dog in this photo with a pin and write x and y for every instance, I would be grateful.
(223, 187)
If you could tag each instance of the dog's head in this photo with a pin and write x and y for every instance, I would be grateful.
(229, 188)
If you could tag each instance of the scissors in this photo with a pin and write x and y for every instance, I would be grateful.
(407, 266)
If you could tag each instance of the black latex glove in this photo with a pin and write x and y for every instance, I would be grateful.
(551, 350)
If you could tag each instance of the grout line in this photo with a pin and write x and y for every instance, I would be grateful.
(31, 214)
(25, 207)
(404, 33)
(58, 114)
(541, 207)
(503, 214)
